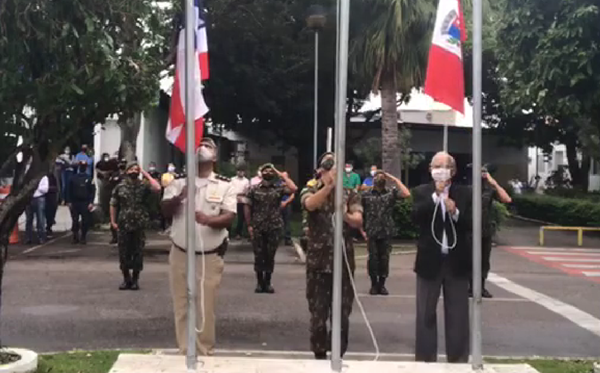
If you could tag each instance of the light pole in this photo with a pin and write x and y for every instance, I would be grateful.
(315, 20)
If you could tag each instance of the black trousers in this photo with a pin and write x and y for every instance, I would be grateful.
(80, 209)
(239, 229)
(486, 254)
(51, 207)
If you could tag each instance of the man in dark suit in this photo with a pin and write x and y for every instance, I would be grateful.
(442, 212)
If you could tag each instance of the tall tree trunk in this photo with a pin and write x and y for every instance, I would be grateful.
(130, 127)
(390, 151)
(579, 172)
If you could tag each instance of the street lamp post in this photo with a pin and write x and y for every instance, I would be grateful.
(316, 21)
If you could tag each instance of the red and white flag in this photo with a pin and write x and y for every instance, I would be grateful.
(176, 126)
(445, 81)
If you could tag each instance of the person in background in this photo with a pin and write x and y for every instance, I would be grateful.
(116, 179)
(105, 169)
(286, 214)
(129, 217)
(215, 208)
(37, 209)
(155, 198)
(378, 204)
(491, 191)
(351, 178)
(51, 203)
(83, 155)
(240, 185)
(81, 202)
(65, 161)
(256, 179)
(368, 182)
(442, 211)
(165, 180)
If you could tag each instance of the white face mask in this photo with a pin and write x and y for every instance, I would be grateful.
(348, 170)
(373, 172)
(171, 168)
(206, 154)
(67, 151)
(441, 174)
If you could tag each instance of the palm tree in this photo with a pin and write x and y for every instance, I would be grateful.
(388, 51)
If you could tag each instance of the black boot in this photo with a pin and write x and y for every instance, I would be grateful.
(126, 285)
(113, 240)
(382, 289)
(320, 355)
(82, 240)
(134, 280)
(75, 239)
(374, 286)
(268, 288)
(259, 283)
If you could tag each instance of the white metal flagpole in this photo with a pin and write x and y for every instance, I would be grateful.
(190, 152)
(340, 140)
(477, 301)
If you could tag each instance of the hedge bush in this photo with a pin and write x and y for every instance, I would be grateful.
(558, 210)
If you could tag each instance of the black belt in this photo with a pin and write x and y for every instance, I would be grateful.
(209, 252)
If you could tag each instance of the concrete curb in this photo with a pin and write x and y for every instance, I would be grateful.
(596, 367)
(529, 220)
(27, 364)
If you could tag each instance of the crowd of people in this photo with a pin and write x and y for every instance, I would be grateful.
(441, 210)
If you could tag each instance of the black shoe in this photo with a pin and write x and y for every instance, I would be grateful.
(382, 288)
(288, 243)
(75, 239)
(113, 241)
(134, 281)
(125, 285)
(486, 294)
(83, 241)
(320, 355)
(374, 286)
(259, 283)
(470, 293)
(267, 284)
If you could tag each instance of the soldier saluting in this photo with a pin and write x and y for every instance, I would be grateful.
(378, 204)
(130, 198)
(263, 217)
(318, 200)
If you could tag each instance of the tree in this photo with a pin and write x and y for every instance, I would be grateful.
(65, 66)
(389, 50)
(549, 63)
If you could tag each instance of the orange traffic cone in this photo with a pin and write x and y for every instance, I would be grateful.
(14, 236)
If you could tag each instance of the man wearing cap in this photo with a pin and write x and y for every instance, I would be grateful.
(115, 179)
(264, 221)
(215, 203)
(131, 198)
(319, 201)
(378, 204)
(80, 200)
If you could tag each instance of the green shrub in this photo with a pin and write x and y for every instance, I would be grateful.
(405, 228)
(558, 210)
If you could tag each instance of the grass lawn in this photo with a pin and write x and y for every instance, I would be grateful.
(554, 366)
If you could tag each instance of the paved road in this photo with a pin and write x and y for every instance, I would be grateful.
(61, 297)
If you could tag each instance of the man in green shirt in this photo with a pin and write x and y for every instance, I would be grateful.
(351, 179)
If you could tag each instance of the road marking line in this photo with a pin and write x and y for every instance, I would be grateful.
(577, 316)
(561, 253)
(553, 249)
(558, 259)
(591, 274)
(64, 251)
(407, 252)
(582, 266)
(400, 296)
(32, 249)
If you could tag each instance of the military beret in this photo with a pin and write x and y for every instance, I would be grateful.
(207, 141)
(324, 155)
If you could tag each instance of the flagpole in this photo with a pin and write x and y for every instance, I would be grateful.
(190, 152)
(445, 144)
(340, 141)
(477, 301)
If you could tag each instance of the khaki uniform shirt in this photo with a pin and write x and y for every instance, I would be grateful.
(214, 196)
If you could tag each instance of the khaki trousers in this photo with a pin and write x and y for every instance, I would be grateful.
(205, 341)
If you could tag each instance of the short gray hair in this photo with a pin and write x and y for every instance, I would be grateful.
(451, 160)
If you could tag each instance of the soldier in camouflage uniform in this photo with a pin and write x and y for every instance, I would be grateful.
(490, 191)
(130, 199)
(115, 179)
(318, 201)
(263, 217)
(378, 203)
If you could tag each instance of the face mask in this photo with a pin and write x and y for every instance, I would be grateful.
(171, 169)
(67, 151)
(82, 169)
(152, 168)
(327, 164)
(105, 159)
(373, 173)
(268, 176)
(440, 174)
(348, 170)
(206, 154)
(134, 175)
(84, 150)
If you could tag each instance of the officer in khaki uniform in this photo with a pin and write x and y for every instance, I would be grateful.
(216, 206)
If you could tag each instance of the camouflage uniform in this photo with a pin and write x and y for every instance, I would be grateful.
(264, 200)
(115, 179)
(319, 269)
(130, 198)
(488, 195)
(379, 226)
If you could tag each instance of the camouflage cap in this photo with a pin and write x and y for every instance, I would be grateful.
(207, 141)
(131, 164)
(266, 165)
(324, 155)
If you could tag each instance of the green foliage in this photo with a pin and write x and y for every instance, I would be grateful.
(404, 226)
(498, 215)
(558, 210)
(558, 179)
